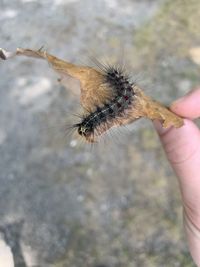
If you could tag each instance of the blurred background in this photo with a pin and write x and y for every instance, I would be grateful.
(62, 203)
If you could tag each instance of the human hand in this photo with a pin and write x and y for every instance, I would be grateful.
(182, 147)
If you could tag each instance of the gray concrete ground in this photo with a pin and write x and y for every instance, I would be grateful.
(62, 203)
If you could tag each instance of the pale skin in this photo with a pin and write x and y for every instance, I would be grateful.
(182, 147)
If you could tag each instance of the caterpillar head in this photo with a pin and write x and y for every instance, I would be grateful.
(86, 131)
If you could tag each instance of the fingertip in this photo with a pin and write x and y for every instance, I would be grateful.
(188, 106)
(179, 143)
(159, 128)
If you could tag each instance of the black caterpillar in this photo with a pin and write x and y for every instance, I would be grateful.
(122, 88)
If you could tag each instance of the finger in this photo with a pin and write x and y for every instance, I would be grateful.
(182, 147)
(179, 143)
(188, 106)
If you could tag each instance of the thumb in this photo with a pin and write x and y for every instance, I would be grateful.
(182, 147)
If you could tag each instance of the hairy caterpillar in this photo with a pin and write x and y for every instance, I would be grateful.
(103, 117)
(107, 95)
